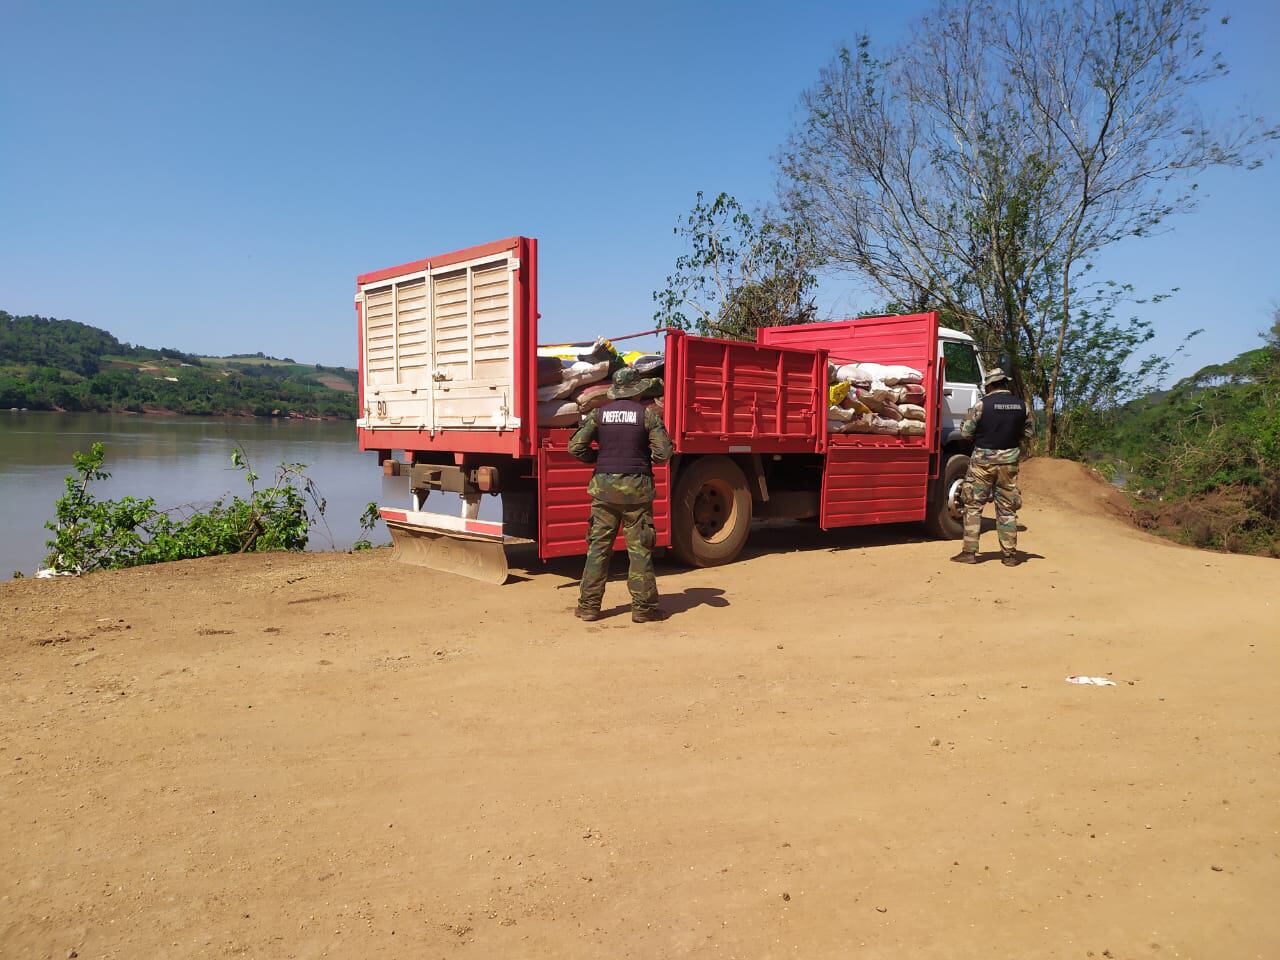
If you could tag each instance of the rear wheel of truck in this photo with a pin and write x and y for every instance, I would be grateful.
(946, 505)
(710, 513)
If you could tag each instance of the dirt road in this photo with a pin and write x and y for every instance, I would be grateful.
(840, 746)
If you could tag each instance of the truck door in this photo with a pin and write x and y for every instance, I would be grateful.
(962, 386)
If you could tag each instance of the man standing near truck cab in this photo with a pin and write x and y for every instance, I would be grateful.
(998, 425)
(631, 438)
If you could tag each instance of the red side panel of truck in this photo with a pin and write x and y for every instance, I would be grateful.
(868, 478)
(564, 508)
(725, 396)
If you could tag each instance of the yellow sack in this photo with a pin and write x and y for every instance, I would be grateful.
(838, 392)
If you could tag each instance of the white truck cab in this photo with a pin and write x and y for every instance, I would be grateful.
(962, 385)
(961, 388)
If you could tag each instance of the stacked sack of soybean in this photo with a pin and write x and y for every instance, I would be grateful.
(570, 385)
(876, 398)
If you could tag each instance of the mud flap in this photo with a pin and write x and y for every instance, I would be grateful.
(468, 548)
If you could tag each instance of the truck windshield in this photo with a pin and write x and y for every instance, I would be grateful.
(962, 362)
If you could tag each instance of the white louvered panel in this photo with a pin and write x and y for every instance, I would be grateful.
(380, 347)
(413, 349)
(439, 349)
(452, 323)
(491, 321)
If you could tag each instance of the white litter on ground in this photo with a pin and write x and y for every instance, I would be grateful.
(1095, 681)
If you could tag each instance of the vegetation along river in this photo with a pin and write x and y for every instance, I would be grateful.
(176, 460)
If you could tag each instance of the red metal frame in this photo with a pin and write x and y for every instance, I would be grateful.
(360, 368)
(793, 383)
(443, 260)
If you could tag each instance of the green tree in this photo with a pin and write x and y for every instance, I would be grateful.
(996, 153)
(738, 273)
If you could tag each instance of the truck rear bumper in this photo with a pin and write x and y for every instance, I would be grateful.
(449, 524)
(470, 548)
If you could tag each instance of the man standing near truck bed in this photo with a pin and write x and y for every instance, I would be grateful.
(998, 424)
(631, 438)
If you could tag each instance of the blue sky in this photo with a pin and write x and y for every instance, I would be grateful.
(212, 177)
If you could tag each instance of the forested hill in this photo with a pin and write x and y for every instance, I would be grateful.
(48, 364)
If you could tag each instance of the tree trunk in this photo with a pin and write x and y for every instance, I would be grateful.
(1051, 420)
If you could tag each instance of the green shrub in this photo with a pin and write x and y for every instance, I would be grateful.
(91, 534)
(368, 520)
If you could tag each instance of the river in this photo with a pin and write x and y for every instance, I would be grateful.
(177, 460)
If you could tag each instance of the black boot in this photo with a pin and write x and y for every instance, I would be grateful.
(965, 556)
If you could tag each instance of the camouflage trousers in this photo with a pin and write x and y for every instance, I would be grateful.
(636, 521)
(984, 482)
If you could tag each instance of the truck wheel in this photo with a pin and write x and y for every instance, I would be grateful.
(946, 508)
(710, 513)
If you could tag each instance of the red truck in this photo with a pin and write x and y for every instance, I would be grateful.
(448, 357)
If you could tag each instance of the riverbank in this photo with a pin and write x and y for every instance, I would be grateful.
(841, 744)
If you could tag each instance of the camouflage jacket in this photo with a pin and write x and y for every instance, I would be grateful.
(994, 457)
(622, 488)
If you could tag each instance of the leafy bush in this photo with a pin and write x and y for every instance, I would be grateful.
(368, 520)
(1203, 458)
(91, 534)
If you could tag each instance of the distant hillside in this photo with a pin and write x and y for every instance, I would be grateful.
(49, 364)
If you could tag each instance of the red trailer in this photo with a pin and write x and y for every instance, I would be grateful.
(448, 358)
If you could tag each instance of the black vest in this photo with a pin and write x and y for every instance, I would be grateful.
(623, 438)
(1004, 417)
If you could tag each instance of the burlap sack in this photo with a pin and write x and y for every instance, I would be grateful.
(889, 411)
(550, 371)
(591, 396)
(558, 413)
(910, 393)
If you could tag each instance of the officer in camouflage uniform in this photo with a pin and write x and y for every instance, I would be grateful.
(998, 424)
(631, 439)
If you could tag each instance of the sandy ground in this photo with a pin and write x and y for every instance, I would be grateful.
(841, 746)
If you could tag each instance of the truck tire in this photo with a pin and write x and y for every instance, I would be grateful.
(946, 509)
(710, 513)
